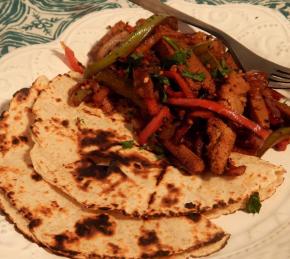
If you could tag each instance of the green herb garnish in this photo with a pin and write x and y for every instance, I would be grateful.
(180, 57)
(163, 80)
(215, 73)
(194, 76)
(159, 151)
(225, 70)
(164, 97)
(127, 144)
(134, 60)
(171, 42)
(253, 204)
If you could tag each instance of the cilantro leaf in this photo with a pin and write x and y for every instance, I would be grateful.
(180, 57)
(133, 60)
(159, 151)
(164, 97)
(127, 144)
(163, 80)
(225, 70)
(171, 42)
(194, 76)
(253, 204)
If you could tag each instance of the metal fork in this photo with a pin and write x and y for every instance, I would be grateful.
(279, 76)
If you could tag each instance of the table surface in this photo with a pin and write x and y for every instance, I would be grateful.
(27, 22)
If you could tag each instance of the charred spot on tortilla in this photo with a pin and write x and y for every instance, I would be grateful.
(100, 138)
(194, 217)
(58, 100)
(89, 169)
(36, 177)
(3, 115)
(148, 238)
(152, 198)
(23, 138)
(164, 166)
(91, 226)
(34, 223)
(10, 194)
(124, 159)
(172, 196)
(15, 141)
(59, 241)
(160, 253)
(65, 123)
(21, 94)
(189, 205)
(115, 249)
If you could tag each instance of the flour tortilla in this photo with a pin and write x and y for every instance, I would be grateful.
(70, 141)
(217, 195)
(58, 223)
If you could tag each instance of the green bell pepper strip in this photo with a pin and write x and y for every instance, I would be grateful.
(118, 85)
(274, 138)
(78, 96)
(127, 47)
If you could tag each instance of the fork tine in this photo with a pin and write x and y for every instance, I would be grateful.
(279, 85)
(280, 74)
(281, 69)
(278, 78)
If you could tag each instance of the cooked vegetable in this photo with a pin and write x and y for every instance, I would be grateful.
(172, 93)
(192, 163)
(118, 85)
(153, 125)
(78, 95)
(100, 95)
(180, 81)
(222, 110)
(126, 47)
(273, 139)
(171, 43)
(194, 100)
(254, 204)
(74, 64)
(127, 144)
(194, 76)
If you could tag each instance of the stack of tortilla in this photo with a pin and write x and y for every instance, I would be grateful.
(68, 184)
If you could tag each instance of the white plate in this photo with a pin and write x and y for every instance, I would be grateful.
(265, 31)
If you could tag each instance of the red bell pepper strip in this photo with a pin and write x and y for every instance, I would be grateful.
(222, 110)
(180, 81)
(153, 125)
(172, 93)
(152, 106)
(201, 114)
(74, 64)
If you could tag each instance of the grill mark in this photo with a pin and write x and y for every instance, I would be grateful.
(148, 238)
(21, 94)
(194, 217)
(36, 177)
(34, 223)
(91, 226)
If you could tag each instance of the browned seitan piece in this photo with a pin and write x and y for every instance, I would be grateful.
(258, 109)
(222, 140)
(186, 157)
(233, 94)
(195, 66)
